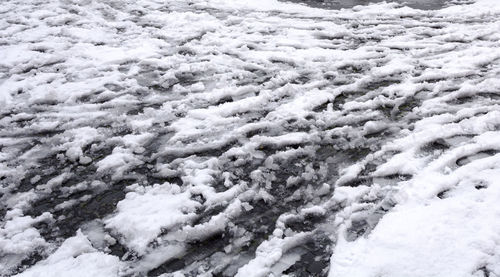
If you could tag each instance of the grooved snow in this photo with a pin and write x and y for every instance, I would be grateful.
(249, 138)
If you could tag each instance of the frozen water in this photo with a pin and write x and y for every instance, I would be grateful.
(249, 138)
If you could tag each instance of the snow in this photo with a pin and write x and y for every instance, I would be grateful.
(268, 254)
(455, 236)
(18, 237)
(76, 257)
(248, 138)
(145, 213)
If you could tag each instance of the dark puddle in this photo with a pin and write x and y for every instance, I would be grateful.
(346, 4)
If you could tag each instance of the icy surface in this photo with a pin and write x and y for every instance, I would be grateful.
(249, 138)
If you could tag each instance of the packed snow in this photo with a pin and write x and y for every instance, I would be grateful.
(249, 138)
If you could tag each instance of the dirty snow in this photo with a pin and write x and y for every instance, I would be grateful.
(249, 138)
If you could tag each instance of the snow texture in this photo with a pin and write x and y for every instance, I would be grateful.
(249, 138)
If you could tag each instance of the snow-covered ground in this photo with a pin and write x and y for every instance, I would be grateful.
(418, 4)
(249, 138)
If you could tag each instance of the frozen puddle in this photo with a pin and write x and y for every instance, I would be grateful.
(248, 138)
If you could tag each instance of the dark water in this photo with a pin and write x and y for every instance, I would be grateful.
(339, 4)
